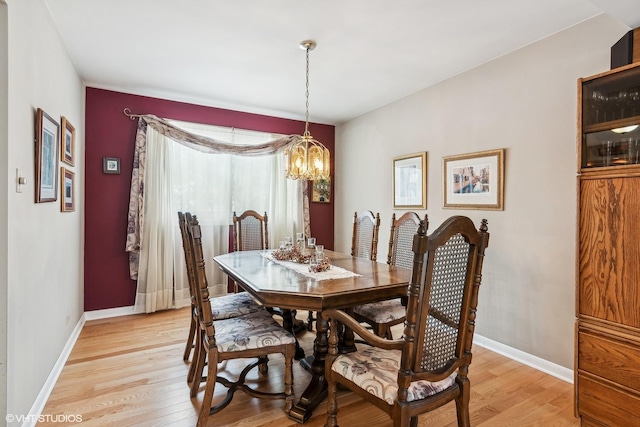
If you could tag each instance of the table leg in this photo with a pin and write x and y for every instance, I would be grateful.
(288, 324)
(347, 342)
(316, 391)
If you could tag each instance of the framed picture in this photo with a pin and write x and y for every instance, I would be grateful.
(474, 181)
(410, 181)
(67, 190)
(47, 131)
(67, 141)
(111, 165)
(321, 191)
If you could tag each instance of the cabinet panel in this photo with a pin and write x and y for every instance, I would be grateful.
(607, 404)
(609, 245)
(611, 358)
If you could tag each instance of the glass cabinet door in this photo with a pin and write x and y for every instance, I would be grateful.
(610, 118)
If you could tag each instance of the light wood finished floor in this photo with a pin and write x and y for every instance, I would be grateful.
(128, 371)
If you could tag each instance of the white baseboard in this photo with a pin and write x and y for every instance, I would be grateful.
(45, 392)
(535, 362)
(109, 312)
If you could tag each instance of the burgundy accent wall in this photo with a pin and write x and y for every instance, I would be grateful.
(109, 133)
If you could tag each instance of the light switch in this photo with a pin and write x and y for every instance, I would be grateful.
(20, 181)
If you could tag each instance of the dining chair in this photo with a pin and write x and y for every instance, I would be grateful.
(364, 243)
(382, 315)
(223, 307)
(428, 366)
(250, 233)
(364, 239)
(253, 335)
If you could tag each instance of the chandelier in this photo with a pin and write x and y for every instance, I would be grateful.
(307, 158)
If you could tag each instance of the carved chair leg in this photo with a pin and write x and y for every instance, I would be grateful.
(263, 366)
(189, 346)
(205, 409)
(198, 363)
(288, 378)
(332, 401)
(462, 402)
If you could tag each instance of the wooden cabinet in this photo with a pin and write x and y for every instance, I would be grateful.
(607, 371)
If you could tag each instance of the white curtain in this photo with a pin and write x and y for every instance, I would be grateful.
(211, 186)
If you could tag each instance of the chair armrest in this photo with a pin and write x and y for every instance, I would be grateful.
(368, 336)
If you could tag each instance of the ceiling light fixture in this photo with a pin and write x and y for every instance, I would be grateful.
(625, 129)
(307, 158)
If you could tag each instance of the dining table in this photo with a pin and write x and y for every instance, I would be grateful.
(349, 282)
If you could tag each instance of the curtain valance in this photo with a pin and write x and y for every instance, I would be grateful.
(211, 145)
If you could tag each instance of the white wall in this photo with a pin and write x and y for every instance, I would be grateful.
(4, 43)
(45, 258)
(524, 102)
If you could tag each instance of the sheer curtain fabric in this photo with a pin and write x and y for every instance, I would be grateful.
(178, 177)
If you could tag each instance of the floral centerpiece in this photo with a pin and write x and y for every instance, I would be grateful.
(292, 254)
(301, 257)
(321, 266)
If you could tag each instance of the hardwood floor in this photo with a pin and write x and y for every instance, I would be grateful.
(128, 371)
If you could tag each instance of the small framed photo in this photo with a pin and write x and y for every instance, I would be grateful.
(321, 191)
(410, 181)
(47, 131)
(68, 142)
(67, 190)
(111, 165)
(474, 180)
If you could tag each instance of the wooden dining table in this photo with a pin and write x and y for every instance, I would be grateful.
(276, 285)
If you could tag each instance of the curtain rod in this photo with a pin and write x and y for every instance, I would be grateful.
(127, 112)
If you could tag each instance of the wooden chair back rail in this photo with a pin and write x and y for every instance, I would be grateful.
(182, 221)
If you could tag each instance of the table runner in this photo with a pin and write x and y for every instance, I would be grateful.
(334, 272)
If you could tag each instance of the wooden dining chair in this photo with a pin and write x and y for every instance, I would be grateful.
(252, 335)
(427, 367)
(223, 307)
(382, 315)
(364, 243)
(364, 239)
(250, 233)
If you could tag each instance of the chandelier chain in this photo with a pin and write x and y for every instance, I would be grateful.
(306, 114)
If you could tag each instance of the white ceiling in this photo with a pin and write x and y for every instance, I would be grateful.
(245, 55)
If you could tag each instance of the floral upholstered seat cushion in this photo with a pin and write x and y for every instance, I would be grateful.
(376, 371)
(382, 311)
(255, 330)
(233, 305)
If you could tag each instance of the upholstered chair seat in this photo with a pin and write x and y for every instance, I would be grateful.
(382, 312)
(251, 331)
(376, 371)
(234, 305)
